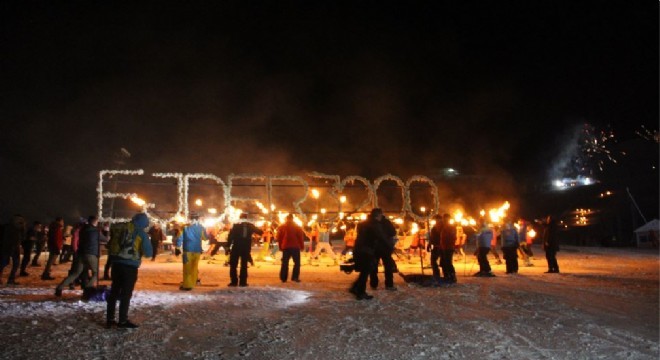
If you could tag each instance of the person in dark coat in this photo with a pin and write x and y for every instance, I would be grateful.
(39, 245)
(370, 233)
(14, 234)
(89, 246)
(28, 244)
(125, 264)
(55, 243)
(384, 249)
(434, 247)
(551, 244)
(240, 241)
(447, 244)
(157, 236)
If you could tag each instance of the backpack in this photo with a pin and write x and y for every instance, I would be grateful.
(122, 242)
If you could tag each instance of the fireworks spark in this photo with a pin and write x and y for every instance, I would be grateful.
(650, 135)
(594, 146)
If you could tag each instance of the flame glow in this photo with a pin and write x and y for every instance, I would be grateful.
(137, 201)
(261, 207)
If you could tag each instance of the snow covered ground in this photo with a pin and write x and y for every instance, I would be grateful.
(605, 304)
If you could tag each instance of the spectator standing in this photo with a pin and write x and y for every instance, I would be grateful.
(28, 244)
(551, 244)
(493, 245)
(10, 245)
(510, 243)
(55, 243)
(461, 238)
(349, 242)
(434, 247)
(157, 237)
(42, 239)
(127, 251)
(369, 234)
(313, 239)
(240, 242)
(484, 239)
(67, 246)
(89, 246)
(447, 244)
(191, 241)
(291, 240)
(525, 243)
(384, 249)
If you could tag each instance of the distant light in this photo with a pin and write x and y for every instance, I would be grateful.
(198, 202)
(315, 193)
(449, 172)
(213, 211)
(566, 183)
(342, 199)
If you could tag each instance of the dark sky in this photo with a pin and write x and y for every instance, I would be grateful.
(487, 87)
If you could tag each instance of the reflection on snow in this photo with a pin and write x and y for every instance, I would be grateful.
(40, 301)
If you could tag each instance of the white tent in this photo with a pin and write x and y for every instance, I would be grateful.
(648, 234)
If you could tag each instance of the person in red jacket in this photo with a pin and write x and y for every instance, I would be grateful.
(291, 240)
(55, 243)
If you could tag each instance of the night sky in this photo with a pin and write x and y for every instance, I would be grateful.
(491, 88)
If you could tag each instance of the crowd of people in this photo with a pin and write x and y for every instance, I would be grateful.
(367, 243)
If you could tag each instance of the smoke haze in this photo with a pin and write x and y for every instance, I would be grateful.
(292, 88)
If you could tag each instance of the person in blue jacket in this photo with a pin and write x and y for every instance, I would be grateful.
(484, 239)
(191, 240)
(510, 244)
(126, 249)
